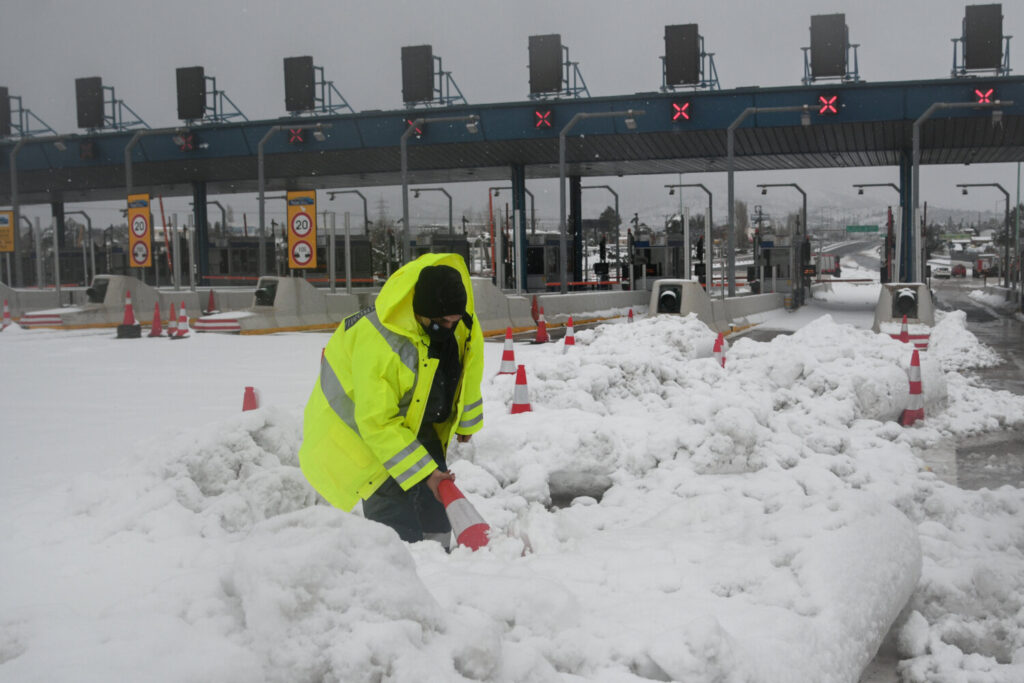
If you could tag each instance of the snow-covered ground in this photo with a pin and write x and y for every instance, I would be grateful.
(655, 517)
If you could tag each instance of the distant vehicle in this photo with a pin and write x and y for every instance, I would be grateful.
(959, 270)
(828, 264)
(986, 265)
(940, 269)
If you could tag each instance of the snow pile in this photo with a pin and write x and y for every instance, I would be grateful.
(655, 517)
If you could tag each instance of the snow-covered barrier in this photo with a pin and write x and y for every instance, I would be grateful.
(284, 304)
(104, 307)
(898, 299)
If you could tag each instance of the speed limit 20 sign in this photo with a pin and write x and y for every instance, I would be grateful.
(140, 233)
(302, 229)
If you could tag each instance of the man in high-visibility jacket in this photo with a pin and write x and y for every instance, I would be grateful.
(397, 380)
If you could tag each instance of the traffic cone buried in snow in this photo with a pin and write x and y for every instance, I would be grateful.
(904, 332)
(156, 329)
(719, 349)
(570, 337)
(521, 395)
(630, 318)
(542, 329)
(172, 323)
(915, 406)
(7, 316)
(469, 527)
(129, 328)
(508, 358)
(182, 321)
(250, 401)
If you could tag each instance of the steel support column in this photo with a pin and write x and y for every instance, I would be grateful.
(576, 214)
(904, 263)
(202, 234)
(518, 176)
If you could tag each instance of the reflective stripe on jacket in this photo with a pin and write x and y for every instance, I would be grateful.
(365, 411)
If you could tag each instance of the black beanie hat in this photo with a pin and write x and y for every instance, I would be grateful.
(439, 292)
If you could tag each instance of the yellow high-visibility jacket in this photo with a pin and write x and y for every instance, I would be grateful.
(365, 411)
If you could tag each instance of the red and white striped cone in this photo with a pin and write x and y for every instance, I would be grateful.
(250, 400)
(521, 395)
(7, 316)
(182, 321)
(508, 357)
(719, 349)
(904, 333)
(129, 327)
(630, 318)
(129, 312)
(915, 406)
(172, 323)
(156, 329)
(469, 527)
(542, 329)
(570, 337)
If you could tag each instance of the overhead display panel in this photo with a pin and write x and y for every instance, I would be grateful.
(417, 73)
(299, 84)
(545, 64)
(191, 81)
(682, 54)
(829, 41)
(89, 99)
(5, 113)
(983, 37)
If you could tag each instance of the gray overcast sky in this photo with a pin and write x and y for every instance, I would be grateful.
(136, 45)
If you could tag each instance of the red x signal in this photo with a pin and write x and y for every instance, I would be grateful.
(295, 135)
(188, 142)
(542, 119)
(984, 96)
(681, 112)
(418, 132)
(828, 105)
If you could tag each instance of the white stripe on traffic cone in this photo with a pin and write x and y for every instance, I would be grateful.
(520, 395)
(182, 321)
(508, 358)
(719, 350)
(172, 323)
(570, 338)
(469, 527)
(915, 406)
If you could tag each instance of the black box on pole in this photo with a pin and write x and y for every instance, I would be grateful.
(545, 63)
(417, 73)
(299, 84)
(89, 98)
(983, 37)
(829, 41)
(191, 82)
(682, 54)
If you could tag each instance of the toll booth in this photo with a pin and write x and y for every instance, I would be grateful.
(440, 243)
(660, 256)
(777, 267)
(361, 264)
(542, 266)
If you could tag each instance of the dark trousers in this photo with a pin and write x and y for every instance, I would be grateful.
(411, 513)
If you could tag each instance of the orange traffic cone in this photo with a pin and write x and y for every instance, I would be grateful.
(570, 338)
(469, 527)
(904, 333)
(542, 329)
(209, 304)
(915, 406)
(156, 329)
(172, 323)
(719, 350)
(129, 328)
(508, 358)
(630, 318)
(533, 309)
(182, 321)
(521, 395)
(7, 316)
(250, 401)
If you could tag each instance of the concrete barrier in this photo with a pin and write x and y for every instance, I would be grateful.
(896, 299)
(103, 306)
(682, 297)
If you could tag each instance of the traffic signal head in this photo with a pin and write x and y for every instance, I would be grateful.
(543, 119)
(828, 105)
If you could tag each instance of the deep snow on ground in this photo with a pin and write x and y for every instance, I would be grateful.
(766, 521)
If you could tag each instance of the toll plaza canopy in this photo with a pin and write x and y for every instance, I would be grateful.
(850, 124)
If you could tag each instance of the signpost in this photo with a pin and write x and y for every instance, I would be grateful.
(861, 228)
(140, 245)
(302, 229)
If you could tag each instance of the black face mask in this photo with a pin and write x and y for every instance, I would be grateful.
(439, 334)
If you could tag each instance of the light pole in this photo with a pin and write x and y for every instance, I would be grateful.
(366, 212)
(472, 122)
(139, 134)
(533, 204)
(730, 238)
(897, 239)
(92, 251)
(563, 242)
(1006, 226)
(262, 181)
(915, 242)
(794, 276)
(58, 142)
(416, 195)
(860, 186)
(709, 260)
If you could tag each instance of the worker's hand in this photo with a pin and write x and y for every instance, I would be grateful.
(434, 480)
(463, 438)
